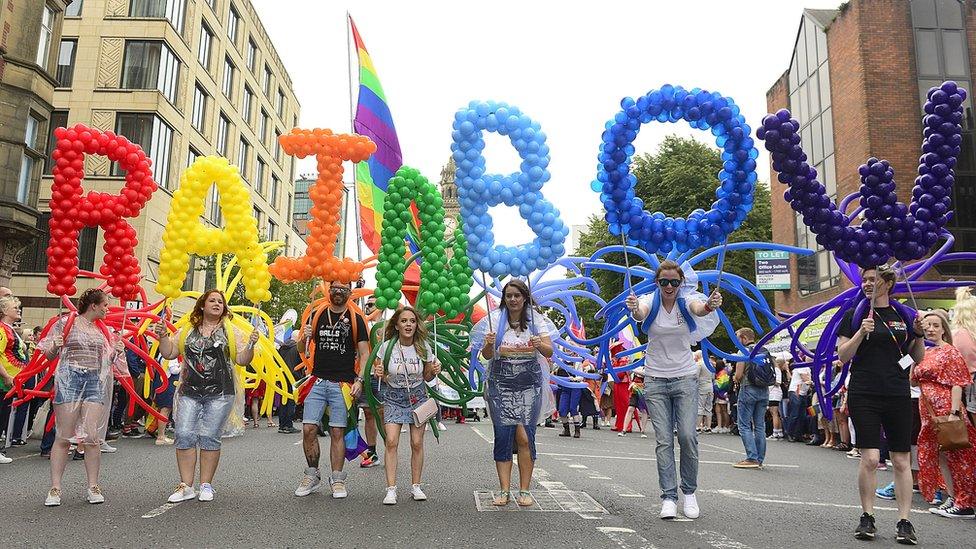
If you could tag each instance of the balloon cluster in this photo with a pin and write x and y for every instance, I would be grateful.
(658, 232)
(444, 283)
(330, 151)
(185, 234)
(478, 191)
(890, 228)
(71, 212)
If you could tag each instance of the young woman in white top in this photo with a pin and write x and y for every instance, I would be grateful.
(411, 363)
(677, 317)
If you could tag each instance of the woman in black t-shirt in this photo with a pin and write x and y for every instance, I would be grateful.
(881, 350)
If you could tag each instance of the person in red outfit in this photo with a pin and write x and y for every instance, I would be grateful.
(942, 375)
(621, 386)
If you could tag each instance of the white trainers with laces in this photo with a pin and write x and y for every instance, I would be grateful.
(5, 459)
(106, 449)
(182, 492)
(53, 498)
(338, 482)
(669, 509)
(95, 495)
(391, 496)
(310, 482)
(206, 492)
(417, 494)
(691, 509)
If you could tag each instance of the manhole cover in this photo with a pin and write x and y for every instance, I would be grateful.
(552, 501)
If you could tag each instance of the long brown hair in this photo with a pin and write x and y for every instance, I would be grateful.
(419, 336)
(523, 289)
(196, 316)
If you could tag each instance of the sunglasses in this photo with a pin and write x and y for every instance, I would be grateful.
(663, 282)
(339, 290)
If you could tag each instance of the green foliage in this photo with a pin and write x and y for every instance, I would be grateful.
(678, 178)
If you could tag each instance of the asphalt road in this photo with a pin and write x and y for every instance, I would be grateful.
(805, 497)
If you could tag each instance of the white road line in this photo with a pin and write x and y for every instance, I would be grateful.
(717, 540)
(700, 443)
(735, 494)
(551, 485)
(625, 491)
(625, 538)
(610, 456)
(599, 477)
(159, 510)
(577, 466)
(482, 435)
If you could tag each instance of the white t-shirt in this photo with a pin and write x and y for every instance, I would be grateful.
(795, 380)
(516, 347)
(403, 362)
(668, 344)
(776, 391)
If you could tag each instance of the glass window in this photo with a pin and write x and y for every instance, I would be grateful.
(813, 85)
(66, 63)
(810, 30)
(263, 128)
(827, 124)
(964, 201)
(816, 140)
(806, 135)
(801, 53)
(259, 176)
(804, 112)
(74, 8)
(25, 179)
(277, 145)
(173, 10)
(288, 206)
(37, 262)
(954, 51)
(155, 137)
(821, 46)
(190, 273)
(46, 35)
(923, 13)
(242, 155)
(272, 230)
(965, 161)
(829, 176)
(228, 83)
(206, 43)
(223, 133)
(927, 52)
(214, 199)
(199, 115)
(825, 87)
(233, 20)
(191, 156)
(150, 65)
(31, 132)
(273, 195)
(252, 54)
(266, 83)
(949, 14)
(59, 119)
(246, 104)
(281, 103)
(258, 215)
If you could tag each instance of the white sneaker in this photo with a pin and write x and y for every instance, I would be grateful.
(643, 435)
(206, 492)
(182, 492)
(391, 493)
(95, 495)
(669, 509)
(691, 509)
(53, 498)
(338, 482)
(441, 426)
(5, 459)
(106, 449)
(417, 494)
(311, 482)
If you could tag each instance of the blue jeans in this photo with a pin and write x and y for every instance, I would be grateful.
(325, 394)
(199, 421)
(569, 401)
(673, 403)
(751, 418)
(796, 420)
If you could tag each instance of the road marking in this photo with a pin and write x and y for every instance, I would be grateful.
(625, 491)
(735, 494)
(577, 466)
(159, 510)
(565, 457)
(625, 538)
(483, 436)
(600, 477)
(552, 485)
(718, 540)
(700, 443)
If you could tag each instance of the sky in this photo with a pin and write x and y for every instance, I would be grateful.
(565, 67)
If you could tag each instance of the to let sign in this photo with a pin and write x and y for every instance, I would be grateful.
(772, 270)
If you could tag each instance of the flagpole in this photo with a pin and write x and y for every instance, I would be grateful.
(352, 129)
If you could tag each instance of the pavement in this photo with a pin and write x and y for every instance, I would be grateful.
(596, 491)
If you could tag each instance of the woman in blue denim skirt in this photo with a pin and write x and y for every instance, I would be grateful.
(88, 357)
(675, 317)
(404, 362)
(210, 348)
(515, 342)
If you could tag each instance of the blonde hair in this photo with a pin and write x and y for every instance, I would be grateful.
(7, 301)
(943, 320)
(964, 313)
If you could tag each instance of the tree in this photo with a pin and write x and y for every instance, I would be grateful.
(678, 178)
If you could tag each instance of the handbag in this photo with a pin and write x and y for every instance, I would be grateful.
(427, 409)
(951, 431)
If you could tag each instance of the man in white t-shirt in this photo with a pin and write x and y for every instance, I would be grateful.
(796, 419)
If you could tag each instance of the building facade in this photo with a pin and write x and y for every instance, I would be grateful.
(31, 32)
(449, 194)
(857, 81)
(182, 78)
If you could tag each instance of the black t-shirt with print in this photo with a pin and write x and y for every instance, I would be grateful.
(335, 350)
(875, 369)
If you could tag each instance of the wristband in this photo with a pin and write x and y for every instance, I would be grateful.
(708, 308)
(358, 380)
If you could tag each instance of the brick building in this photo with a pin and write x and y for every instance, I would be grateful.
(857, 81)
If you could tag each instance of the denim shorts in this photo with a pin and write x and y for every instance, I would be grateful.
(325, 394)
(78, 385)
(396, 403)
(199, 421)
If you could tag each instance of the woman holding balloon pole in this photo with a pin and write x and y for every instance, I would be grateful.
(515, 342)
(675, 317)
(89, 357)
(208, 385)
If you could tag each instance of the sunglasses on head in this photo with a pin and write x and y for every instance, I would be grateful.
(663, 282)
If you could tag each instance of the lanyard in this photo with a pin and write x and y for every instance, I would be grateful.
(892, 334)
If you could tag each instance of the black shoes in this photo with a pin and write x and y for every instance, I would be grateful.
(906, 533)
(866, 529)
(576, 430)
(565, 432)
(288, 430)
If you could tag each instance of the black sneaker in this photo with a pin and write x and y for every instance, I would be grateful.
(866, 530)
(77, 456)
(958, 512)
(906, 533)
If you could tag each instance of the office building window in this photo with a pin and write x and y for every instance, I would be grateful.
(223, 135)
(66, 62)
(259, 176)
(213, 198)
(277, 146)
(281, 103)
(206, 45)
(233, 22)
(29, 158)
(272, 230)
(150, 65)
(266, 83)
(246, 104)
(263, 128)
(243, 152)
(59, 119)
(252, 54)
(273, 194)
(199, 115)
(228, 83)
(46, 35)
(74, 9)
(155, 137)
(191, 271)
(191, 156)
(173, 10)
(37, 262)
(258, 216)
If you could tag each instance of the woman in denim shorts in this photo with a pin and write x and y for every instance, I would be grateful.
(404, 362)
(88, 356)
(517, 383)
(210, 348)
